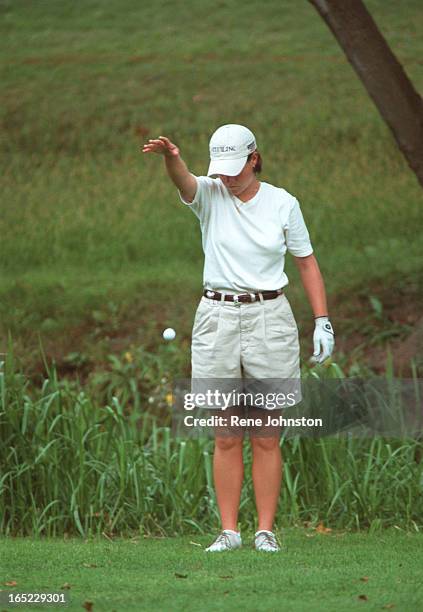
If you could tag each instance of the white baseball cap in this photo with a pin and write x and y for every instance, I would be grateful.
(230, 145)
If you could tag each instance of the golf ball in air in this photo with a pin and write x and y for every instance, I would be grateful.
(169, 334)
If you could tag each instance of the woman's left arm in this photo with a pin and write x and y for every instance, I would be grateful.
(311, 277)
(313, 284)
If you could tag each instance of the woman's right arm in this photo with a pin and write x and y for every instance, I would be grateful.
(175, 166)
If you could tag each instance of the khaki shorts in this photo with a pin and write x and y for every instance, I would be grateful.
(243, 341)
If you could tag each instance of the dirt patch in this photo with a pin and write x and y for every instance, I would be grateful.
(369, 324)
(404, 353)
(379, 321)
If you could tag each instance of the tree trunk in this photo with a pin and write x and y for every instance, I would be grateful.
(383, 76)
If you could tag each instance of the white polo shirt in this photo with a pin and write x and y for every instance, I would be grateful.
(244, 243)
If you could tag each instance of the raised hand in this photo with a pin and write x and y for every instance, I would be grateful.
(161, 145)
(175, 166)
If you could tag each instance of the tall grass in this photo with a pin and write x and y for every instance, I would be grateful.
(69, 464)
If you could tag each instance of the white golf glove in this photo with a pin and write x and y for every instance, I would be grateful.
(323, 340)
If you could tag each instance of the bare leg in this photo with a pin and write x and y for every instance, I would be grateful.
(228, 471)
(267, 478)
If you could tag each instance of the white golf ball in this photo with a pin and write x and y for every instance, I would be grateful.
(169, 334)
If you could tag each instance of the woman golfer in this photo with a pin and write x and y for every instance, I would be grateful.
(244, 327)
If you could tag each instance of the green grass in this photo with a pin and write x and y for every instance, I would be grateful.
(313, 571)
(87, 217)
(93, 235)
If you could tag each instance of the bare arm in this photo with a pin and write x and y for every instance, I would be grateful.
(313, 284)
(175, 166)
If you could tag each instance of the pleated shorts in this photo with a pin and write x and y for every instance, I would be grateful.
(245, 341)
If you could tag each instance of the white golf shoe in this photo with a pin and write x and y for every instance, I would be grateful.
(227, 540)
(266, 541)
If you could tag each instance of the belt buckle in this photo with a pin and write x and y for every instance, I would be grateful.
(236, 300)
(240, 298)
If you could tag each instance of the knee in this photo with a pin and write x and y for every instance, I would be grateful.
(228, 443)
(265, 444)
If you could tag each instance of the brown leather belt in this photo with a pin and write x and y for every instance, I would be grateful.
(243, 298)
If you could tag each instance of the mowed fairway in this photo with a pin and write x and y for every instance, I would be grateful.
(336, 572)
(87, 219)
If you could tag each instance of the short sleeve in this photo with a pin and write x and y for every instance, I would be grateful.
(296, 233)
(202, 197)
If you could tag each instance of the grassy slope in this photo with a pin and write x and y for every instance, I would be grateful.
(319, 573)
(87, 219)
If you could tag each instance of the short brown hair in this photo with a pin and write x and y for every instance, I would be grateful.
(259, 163)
